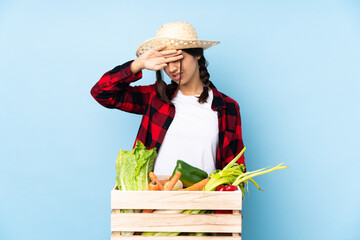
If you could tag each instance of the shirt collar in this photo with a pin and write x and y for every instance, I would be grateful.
(218, 101)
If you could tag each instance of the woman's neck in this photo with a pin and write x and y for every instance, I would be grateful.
(193, 87)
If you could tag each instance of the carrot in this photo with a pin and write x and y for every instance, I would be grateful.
(153, 186)
(163, 181)
(171, 183)
(154, 178)
(197, 186)
(147, 210)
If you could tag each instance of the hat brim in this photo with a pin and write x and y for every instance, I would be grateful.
(172, 43)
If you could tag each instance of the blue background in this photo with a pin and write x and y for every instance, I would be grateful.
(293, 66)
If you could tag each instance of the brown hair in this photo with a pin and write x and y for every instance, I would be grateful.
(164, 91)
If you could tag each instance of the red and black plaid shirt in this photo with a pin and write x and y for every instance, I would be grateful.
(113, 90)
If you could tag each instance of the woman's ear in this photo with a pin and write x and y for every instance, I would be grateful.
(198, 57)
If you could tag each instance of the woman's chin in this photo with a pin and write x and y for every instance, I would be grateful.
(177, 81)
(182, 81)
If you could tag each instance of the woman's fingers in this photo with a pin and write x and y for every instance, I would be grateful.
(165, 52)
(159, 67)
(159, 47)
(170, 52)
(155, 59)
(173, 59)
(162, 47)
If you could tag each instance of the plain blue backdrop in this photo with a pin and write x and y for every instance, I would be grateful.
(293, 66)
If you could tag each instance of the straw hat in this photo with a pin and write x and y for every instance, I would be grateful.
(175, 35)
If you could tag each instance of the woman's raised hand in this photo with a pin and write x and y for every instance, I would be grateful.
(155, 59)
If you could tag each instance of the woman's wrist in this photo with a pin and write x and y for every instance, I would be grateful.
(136, 66)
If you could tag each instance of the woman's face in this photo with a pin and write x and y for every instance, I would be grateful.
(190, 69)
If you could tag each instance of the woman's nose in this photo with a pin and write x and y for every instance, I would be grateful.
(173, 66)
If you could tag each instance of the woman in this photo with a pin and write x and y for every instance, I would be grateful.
(188, 119)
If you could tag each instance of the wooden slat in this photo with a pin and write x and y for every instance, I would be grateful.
(117, 236)
(166, 222)
(235, 212)
(176, 200)
(151, 222)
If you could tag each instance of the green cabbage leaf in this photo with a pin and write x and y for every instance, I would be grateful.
(133, 167)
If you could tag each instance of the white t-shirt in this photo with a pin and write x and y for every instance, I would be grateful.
(193, 136)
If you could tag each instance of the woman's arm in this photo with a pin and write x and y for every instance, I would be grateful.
(233, 141)
(113, 90)
(238, 131)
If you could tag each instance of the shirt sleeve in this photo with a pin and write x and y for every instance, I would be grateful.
(113, 90)
(239, 139)
(234, 141)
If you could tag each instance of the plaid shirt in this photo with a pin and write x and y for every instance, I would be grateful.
(113, 90)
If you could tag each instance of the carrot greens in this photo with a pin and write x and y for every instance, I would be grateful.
(235, 174)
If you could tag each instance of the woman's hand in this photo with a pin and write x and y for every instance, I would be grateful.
(155, 59)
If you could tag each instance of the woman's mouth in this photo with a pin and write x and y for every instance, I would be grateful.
(176, 77)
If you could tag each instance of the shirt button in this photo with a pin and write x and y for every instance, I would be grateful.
(110, 82)
(126, 73)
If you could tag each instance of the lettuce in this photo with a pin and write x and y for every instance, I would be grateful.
(133, 167)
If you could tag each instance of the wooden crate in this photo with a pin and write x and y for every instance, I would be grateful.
(228, 224)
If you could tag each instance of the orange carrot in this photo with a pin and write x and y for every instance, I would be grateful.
(147, 210)
(163, 181)
(154, 178)
(197, 186)
(153, 186)
(171, 183)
